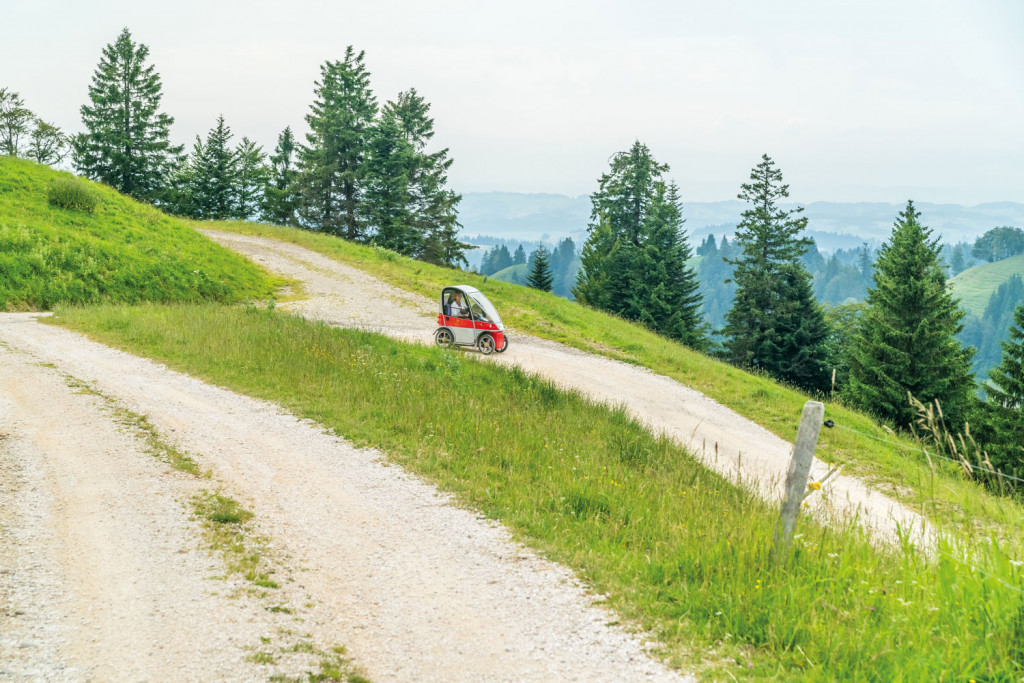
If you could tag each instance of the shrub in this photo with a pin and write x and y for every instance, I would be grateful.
(68, 192)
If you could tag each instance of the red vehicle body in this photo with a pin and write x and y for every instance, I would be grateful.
(468, 318)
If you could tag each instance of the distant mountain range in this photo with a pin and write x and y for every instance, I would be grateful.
(532, 217)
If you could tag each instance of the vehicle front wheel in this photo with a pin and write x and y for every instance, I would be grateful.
(504, 346)
(444, 337)
(486, 344)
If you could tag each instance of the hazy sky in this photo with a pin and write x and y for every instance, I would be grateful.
(856, 101)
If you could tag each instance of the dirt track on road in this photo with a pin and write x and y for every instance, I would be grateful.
(416, 588)
(104, 576)
(343, 295)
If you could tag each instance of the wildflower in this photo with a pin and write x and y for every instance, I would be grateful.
(1016, 563)
(814, 486)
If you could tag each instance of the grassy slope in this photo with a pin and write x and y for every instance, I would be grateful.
(857, 441)
(975, 286)
(674, 546)
(125, 251)
(507, 274)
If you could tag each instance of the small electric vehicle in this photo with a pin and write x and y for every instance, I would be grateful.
(468, 318)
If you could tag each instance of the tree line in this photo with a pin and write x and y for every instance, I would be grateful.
(559, 265)
(900, 343)
(363, 172)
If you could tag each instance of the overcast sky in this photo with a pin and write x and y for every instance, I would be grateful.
(856, 101)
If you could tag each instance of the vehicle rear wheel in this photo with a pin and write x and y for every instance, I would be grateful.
(486, 344)
(444, 337)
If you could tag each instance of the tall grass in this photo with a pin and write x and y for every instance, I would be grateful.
(891, 462)
(66, 240)
(675, 547)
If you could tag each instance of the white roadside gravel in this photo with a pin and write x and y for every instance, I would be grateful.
(101, 573)
(732, 445)
(417, 588)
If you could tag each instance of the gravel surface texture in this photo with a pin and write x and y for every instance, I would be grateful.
(417, 588)
(102, 575)
(734, 446)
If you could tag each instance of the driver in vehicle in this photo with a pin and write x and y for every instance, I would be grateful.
(458, 308)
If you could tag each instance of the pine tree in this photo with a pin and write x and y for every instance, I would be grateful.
(430, 205)
(634, 260)
(280, 202)
(333, 171)
(391, 171)
(500, 258)
(774, 324)
(210, 177)
(563, 267)
(540, 270)
(251, 179)
(519, 257)
(906, 338)
(1005, 401)
(127, 140)
(486, 265)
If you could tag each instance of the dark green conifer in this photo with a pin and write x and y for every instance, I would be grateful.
(774, 325)
(280, 201)
(126, 144)
(333, 162)
(431, 205)
(906, 337)
(540, 270)
(251, 179)
(211, 176)
(634, 260)
(1005, 402)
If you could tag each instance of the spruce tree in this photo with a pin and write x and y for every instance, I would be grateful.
(430, 205)
(1005, 402)
(127, 140)
(519, 257)
(333, 173)
(280, 202)
(906, 339)
(774, 325)
(500, 258)
(540, 270)
(563, 267)
(211, 176)
(391, 170)
(250, 180)
(634, 260)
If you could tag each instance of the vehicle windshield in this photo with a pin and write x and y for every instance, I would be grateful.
(483, 309)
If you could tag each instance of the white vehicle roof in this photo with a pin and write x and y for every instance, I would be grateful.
(485, 303)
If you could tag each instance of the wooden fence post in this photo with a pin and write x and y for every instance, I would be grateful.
(799, 468)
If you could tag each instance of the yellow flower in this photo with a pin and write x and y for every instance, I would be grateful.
(814, 486)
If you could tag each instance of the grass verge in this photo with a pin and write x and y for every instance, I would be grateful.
(119, 250)
(892, 463)
(676, 548)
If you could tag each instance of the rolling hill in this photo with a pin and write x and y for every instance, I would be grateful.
(515, 274)
(975, 286)
(119, 251)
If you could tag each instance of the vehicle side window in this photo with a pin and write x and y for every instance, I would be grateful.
(478, 311)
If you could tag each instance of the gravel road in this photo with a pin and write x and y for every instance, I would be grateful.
(104, 574)
(101, 574)
(415, 587)
(343, 295)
